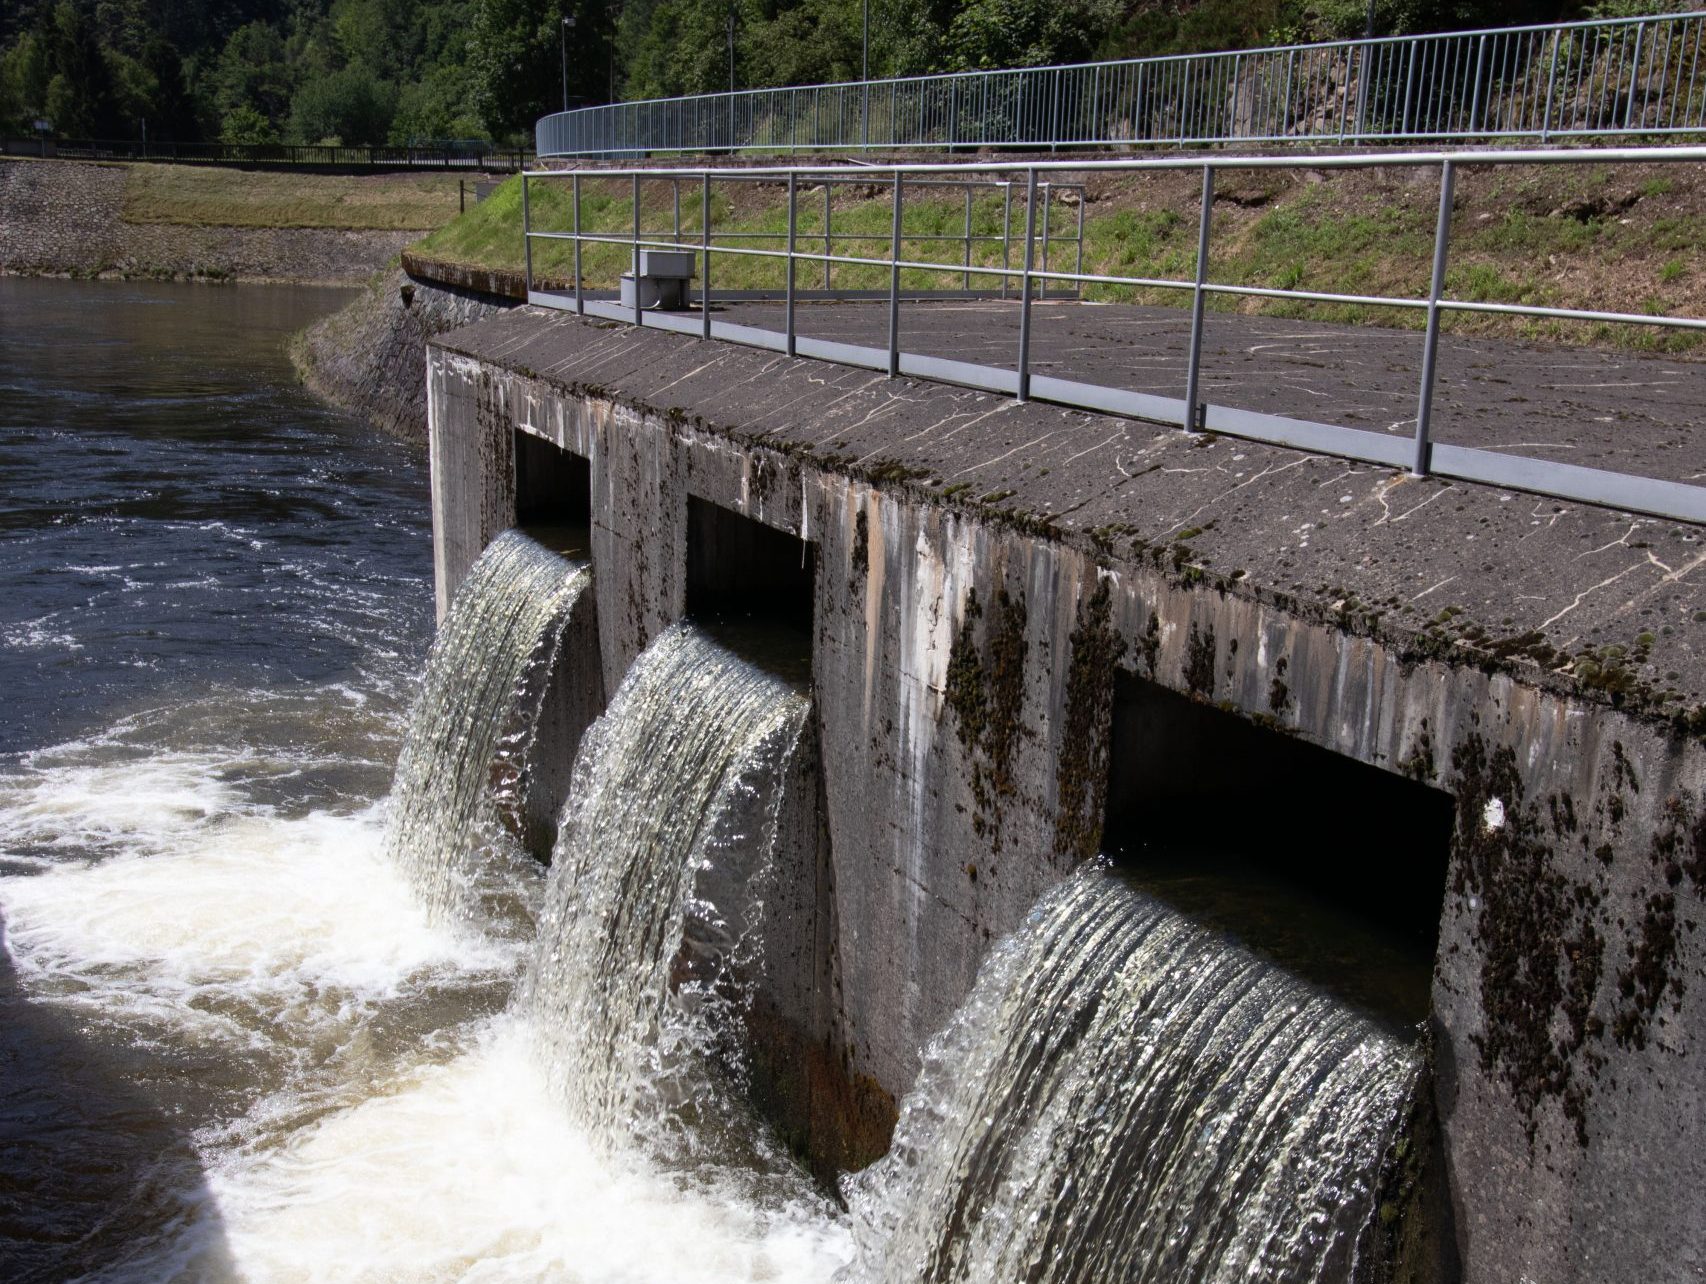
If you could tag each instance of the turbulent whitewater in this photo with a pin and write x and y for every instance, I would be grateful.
(670, 827)
(1127, 1096)
(464, 756)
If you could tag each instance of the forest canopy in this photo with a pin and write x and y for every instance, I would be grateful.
(400, 71)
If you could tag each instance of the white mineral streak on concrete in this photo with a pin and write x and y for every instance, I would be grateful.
(876, 574)
(939, 590)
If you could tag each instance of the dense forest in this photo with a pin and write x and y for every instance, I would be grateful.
(376, 71)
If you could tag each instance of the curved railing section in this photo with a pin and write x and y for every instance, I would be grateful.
(1639, 76)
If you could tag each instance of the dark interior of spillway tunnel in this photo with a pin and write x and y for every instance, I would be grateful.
(751, 586)
(1327, 866)
(553, 495)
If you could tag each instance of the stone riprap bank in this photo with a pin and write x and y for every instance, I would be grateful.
(66, 218)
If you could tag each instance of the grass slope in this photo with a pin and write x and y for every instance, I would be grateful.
(215, 196)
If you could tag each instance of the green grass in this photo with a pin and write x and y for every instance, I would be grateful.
(1307, 238)
(214, 196)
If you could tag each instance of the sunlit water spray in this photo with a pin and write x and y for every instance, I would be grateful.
(1128, 1096)
(464, 757)
(669, 829)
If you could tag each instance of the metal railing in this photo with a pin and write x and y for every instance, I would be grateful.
(821, 188)
(1608, 77)
(270, 155)
(1419, 454)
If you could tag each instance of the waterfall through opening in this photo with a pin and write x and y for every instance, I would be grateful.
(553, 495)
(1127, 1095)
(1332, 868)
(459, 796)
(652, 916)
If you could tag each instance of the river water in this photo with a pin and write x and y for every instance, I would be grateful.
(233, 1043)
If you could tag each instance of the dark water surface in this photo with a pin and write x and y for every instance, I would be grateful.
(213, 591)
(174, 507)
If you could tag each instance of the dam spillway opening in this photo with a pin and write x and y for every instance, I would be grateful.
(553, 494)
(741, 571)
(1333, 868)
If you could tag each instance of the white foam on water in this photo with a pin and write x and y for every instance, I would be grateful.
(470, 1170)
(86, 798)
(244, 927)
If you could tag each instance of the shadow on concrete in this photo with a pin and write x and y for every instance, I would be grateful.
(93, 1173)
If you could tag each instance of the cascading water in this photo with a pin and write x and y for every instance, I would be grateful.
(671, 822)
(235, 1046)
(462, 758)
(1128, 1096)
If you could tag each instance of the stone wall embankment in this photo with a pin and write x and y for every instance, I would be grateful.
(369, 358)
(66, 218)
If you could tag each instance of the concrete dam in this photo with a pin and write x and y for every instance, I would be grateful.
(1104, 851)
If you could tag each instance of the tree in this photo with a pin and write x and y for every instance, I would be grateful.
(254, 71)
(351, 106)
(245, 125)
(80, 99)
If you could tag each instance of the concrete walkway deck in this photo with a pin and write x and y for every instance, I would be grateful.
(1622, 411)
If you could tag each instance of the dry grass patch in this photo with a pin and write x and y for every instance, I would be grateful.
(212, 196)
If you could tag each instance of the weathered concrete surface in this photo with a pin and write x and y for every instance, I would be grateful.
(983, 565)
(1623, 411)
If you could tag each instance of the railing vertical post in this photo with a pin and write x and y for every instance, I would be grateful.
(1078, 267)
(1634, 76)
(1430, 341)
(575, 199)
(1285, 96)
(967, 282)
(1054, 113)
(1193, 361)
(1410, 85)
(639, 311)
(793, 223)
(828, 248)
(526, 239)
(1006, 232)
(1025, 286)
(1551, 86)
(705, 242)
(1048, 211)
(894, 284)
(1237, 84)
(1475, 95)
(675, 200)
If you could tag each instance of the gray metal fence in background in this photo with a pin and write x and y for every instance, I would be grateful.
(1610, 77)
(1023, 195)
(482, 157)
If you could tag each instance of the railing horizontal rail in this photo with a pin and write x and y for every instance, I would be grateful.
(1022, 269)
(1611, 76)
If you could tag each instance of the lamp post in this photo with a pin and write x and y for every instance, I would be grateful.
(563, 45)
(731, 49)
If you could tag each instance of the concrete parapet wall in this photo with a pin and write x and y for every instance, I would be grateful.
(963, 661)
